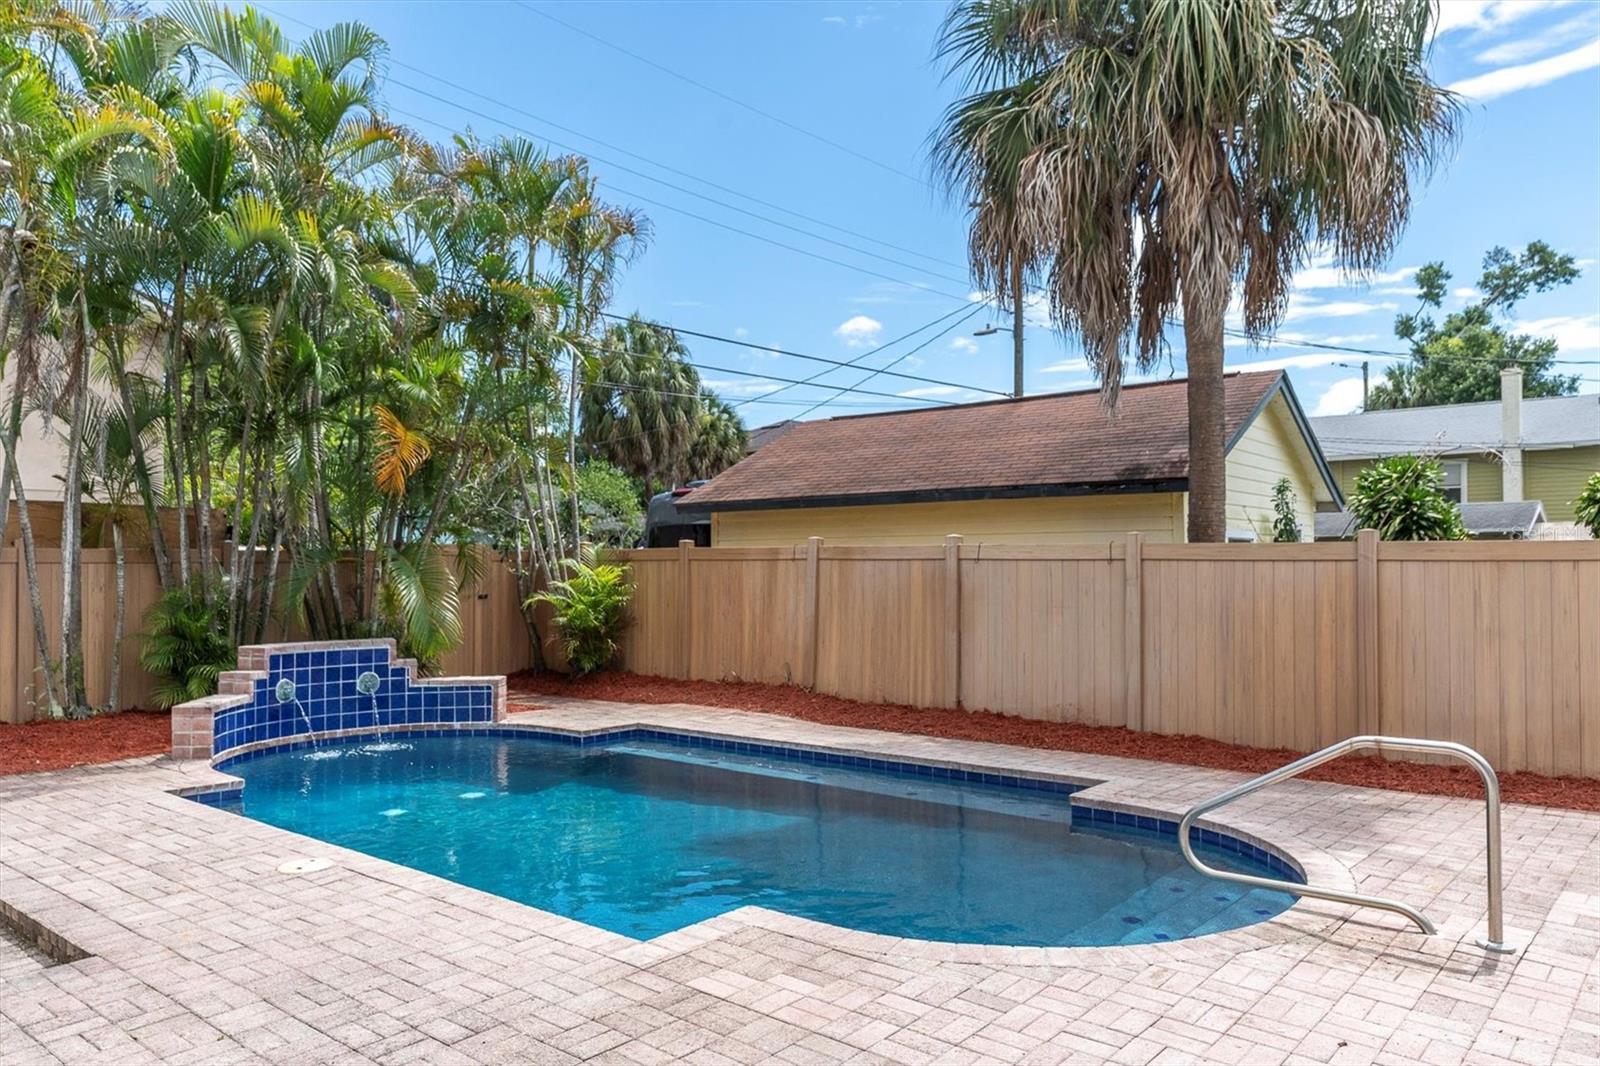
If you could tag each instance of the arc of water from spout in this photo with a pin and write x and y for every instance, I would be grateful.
(285, 692)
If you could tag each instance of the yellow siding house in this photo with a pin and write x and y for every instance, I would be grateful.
(1042, 470)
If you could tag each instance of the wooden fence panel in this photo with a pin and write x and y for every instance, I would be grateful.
(749, 624)
(880, 625)
(1250, 650)
(1043, 638)
(651, 644)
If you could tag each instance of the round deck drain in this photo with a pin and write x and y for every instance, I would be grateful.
(304, 866)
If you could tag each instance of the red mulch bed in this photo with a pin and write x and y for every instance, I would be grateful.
(1572, 793)
(51, 745)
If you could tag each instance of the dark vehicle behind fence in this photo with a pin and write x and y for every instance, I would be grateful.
(665, 525)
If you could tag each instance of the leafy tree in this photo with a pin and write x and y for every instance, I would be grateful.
(1160, 153)
(1285, 526)
(1403, 498)
(613, 515)
(719, 440)
(1587, 506)
(1459, 359)
(640, 406)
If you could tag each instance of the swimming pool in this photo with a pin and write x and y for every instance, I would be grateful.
(642, 834)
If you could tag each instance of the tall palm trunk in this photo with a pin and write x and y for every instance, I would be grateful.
(141, 467)
(114, 689)
(1208, 483)
(74, 692)
(177, 444)
(30, 562)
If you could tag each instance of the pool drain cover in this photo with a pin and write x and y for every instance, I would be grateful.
(304, 866)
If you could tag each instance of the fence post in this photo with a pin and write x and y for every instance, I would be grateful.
(1367, 695)
(952, 620)
(808, 614)
(685, 608)
(1133, 630)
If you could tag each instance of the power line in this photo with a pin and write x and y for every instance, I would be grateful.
(684, 211)
(885, 369)
(835, 364)
(636, 155)
(722, 95)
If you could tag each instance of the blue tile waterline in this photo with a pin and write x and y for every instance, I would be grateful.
(642, 831)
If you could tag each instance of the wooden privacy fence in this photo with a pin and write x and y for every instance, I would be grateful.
(1493, 644)
(494, 639)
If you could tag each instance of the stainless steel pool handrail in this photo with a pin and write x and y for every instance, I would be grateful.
(1491, 788)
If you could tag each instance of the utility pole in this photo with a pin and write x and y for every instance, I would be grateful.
(1016, 326)
(1366, 372)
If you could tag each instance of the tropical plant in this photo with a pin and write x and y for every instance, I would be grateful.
(1285, 526)
(1172, 150)
(590, 606)
(245, 298)
(1402, 498)
(613, 515)
(186, 644)
(719, 440)
(1587, 506)
(640, 403)
(1459, 360)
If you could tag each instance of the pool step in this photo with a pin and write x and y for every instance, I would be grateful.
(1175, 906)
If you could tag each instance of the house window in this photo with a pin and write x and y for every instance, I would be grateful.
(1455, 481)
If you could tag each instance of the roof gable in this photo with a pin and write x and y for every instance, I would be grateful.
(1045, 445)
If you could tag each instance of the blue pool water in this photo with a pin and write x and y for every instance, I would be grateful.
(642, 837)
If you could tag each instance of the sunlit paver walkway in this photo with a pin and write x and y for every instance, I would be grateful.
(202, 953)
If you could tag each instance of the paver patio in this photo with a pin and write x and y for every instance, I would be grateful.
(201, 952)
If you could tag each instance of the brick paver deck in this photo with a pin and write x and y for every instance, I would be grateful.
(202, 953)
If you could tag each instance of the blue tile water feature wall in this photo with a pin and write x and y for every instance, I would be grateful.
(325, 685)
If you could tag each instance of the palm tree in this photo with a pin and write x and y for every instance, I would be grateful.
(1176, 149)
(719, 440)
(640, 403)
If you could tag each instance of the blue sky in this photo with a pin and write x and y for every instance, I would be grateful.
(849, 94)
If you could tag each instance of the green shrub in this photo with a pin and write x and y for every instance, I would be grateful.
(591, 610)
(1285, 527)
(186, 645)
(1587, 506)
(1403, 498)
(609, 507)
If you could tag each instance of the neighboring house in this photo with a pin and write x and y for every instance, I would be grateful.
(1040, 470)
(1509, 450)
(1484, 521)
(41, 461)
(764, 435)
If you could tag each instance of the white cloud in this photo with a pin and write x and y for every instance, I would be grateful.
(1528, 75)
(1322, 273)
(1547, 40)
(740, 386)
(1486, 15)
(1572, 333)
(1302, 306)
(741, 332)
(964, 345)
(859, 331)
(1340, 398)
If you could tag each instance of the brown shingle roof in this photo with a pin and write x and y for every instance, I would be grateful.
(1054, 442)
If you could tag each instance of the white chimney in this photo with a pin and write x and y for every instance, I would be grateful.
(1511, 432)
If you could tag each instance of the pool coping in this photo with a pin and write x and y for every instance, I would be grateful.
(1306, 917)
